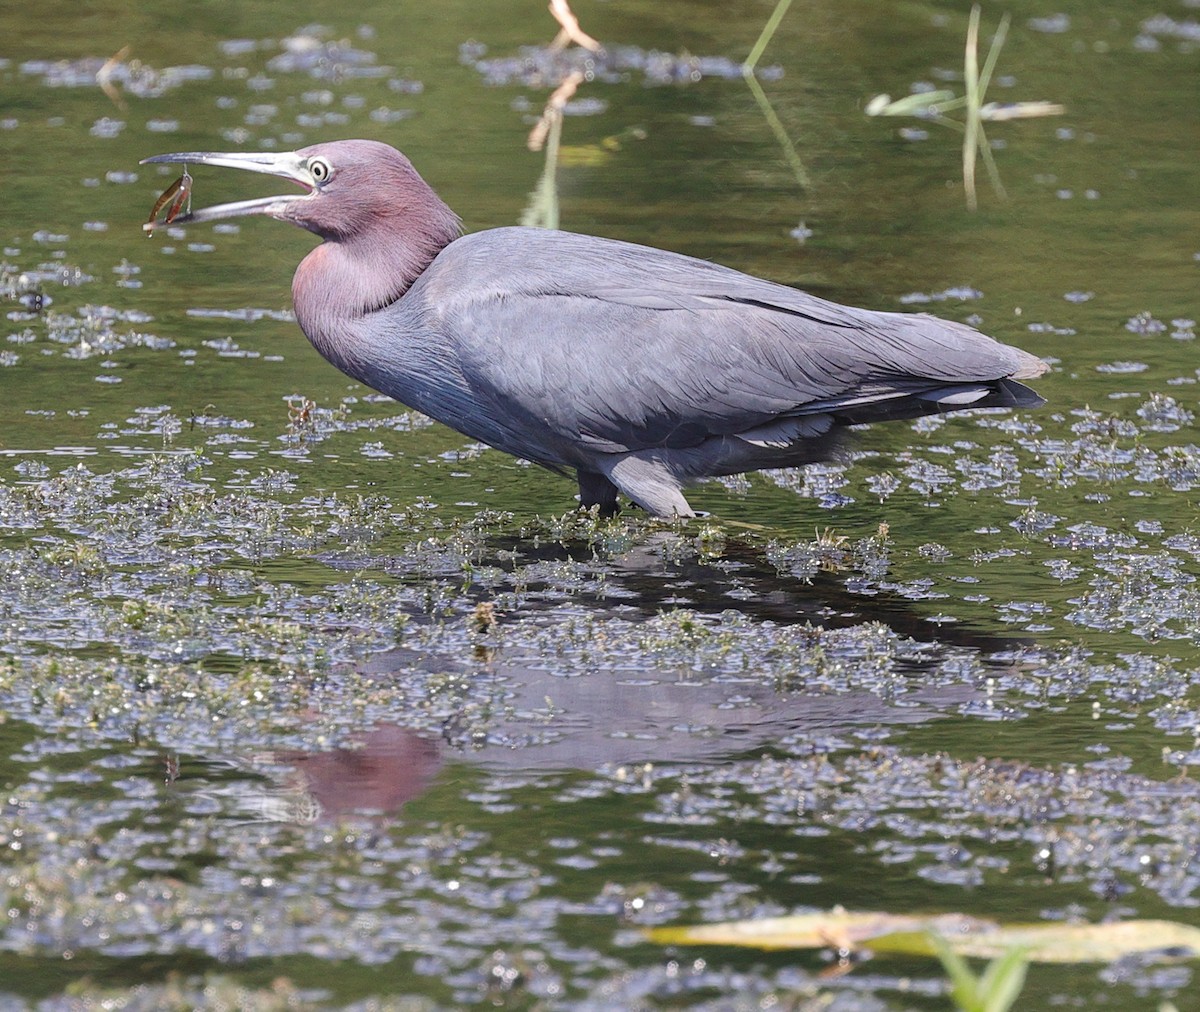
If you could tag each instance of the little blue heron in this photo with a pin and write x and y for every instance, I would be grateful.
(640, 369)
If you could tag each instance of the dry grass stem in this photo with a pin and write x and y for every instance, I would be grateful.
(553, 111)
(571, 32)
(104, 78)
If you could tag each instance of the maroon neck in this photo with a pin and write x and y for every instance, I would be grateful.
(351, 275)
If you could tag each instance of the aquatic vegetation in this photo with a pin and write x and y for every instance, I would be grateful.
(549, 66)
(933, 104)
(949, 937)
(750, 75)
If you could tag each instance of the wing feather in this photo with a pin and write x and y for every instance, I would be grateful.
(622, 347)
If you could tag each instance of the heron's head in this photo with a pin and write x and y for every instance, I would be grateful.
(347, 189)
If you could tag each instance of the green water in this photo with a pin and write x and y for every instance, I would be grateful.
(239, 592)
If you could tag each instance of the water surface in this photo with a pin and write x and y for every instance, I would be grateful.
(304, 694)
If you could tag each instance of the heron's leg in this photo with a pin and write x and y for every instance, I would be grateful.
(649, 484)
(597, 490)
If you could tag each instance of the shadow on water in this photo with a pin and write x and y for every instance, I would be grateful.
(672, 678)
(744, 581)
(646, 573)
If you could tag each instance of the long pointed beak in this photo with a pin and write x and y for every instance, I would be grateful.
(287, 165)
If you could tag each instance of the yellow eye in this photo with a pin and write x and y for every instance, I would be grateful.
(320, 169)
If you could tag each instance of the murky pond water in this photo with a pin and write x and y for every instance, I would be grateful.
(307, 701)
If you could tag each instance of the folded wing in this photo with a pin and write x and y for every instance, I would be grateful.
(620, 347)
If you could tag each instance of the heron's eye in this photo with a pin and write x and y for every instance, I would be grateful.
(320, 169)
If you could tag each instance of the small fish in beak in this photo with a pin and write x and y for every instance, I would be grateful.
(174, 195)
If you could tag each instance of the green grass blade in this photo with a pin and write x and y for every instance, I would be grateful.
(1001, 983)
(765, 36)
(781, 134)
(964, 988)
(971, 133)
(985, 78)
(764, 103)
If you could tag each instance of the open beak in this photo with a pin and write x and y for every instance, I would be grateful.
(287, 164)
